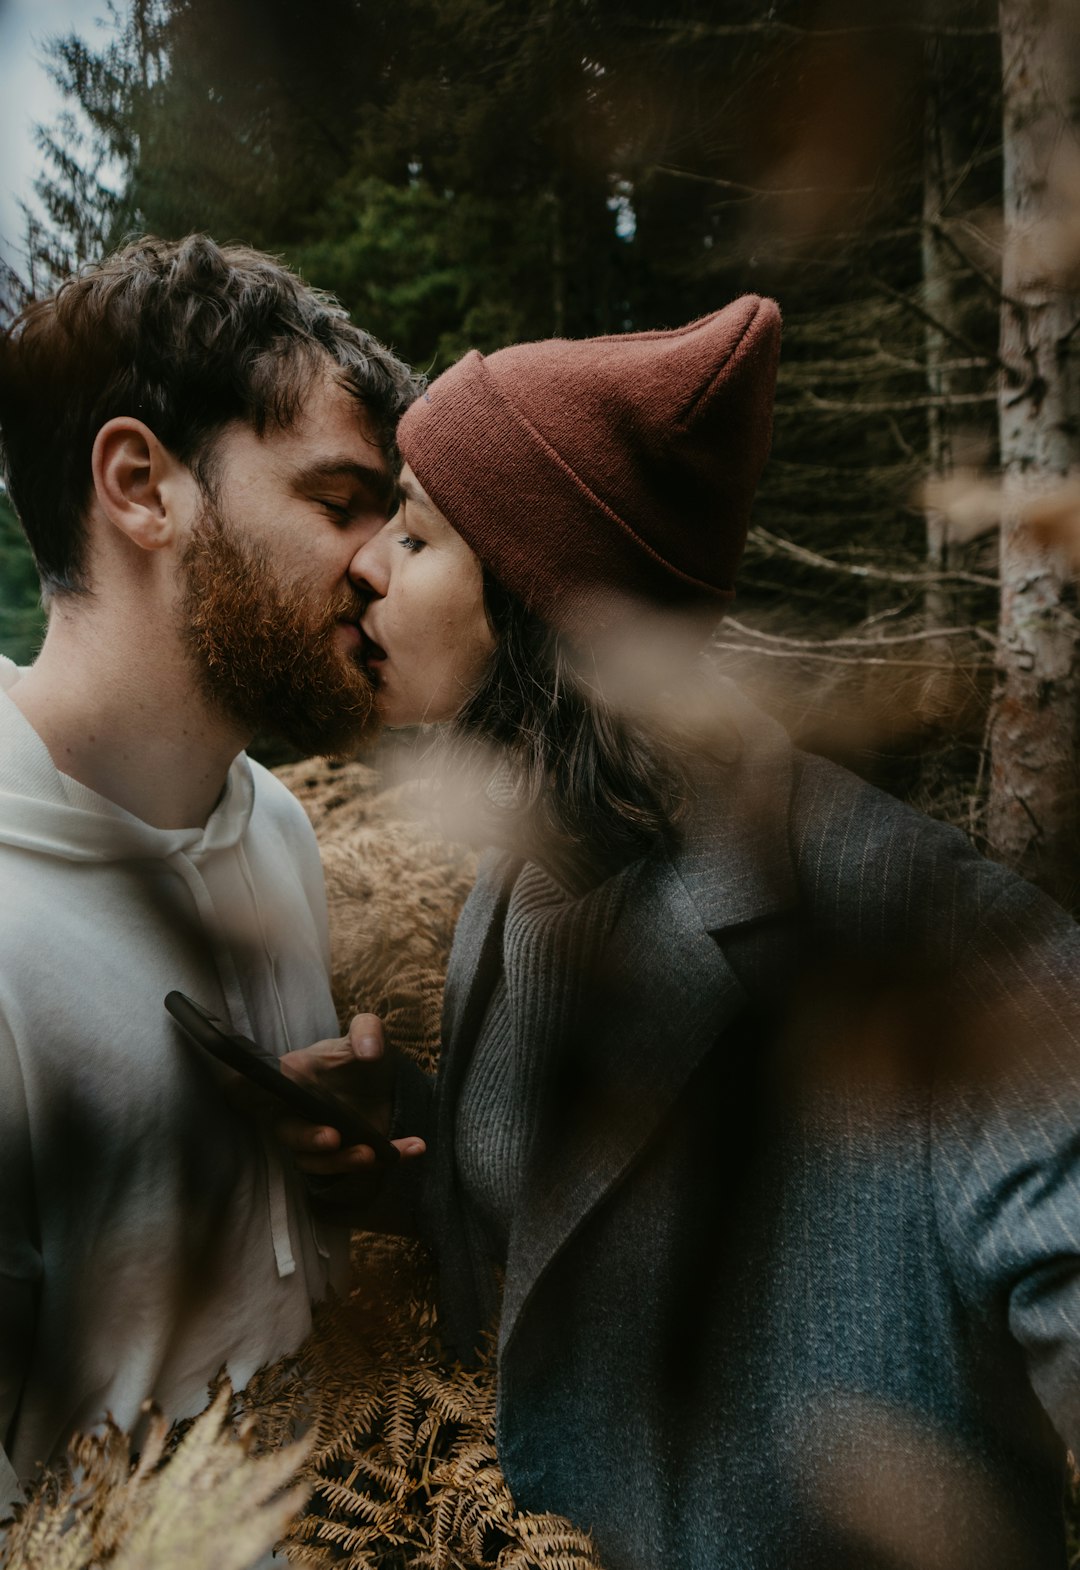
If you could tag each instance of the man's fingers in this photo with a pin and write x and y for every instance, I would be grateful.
(365, 1036)
(411, 1145)
(318, 1140)
(362, 1044)
(357, 1158)
(307, 1064)
(305, 1138)
(354, 1069)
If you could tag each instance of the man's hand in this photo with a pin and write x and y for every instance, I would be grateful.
(354, 1068)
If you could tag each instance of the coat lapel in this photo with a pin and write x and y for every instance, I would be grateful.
(630, 1076)
(667, 1000)
(475, 963)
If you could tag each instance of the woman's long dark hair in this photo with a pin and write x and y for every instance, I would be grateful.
(588, 790)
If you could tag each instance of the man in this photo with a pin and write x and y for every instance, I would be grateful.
(197, 444)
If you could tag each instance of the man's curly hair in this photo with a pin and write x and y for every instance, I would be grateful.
(188, 336)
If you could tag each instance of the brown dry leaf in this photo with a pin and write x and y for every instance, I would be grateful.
(905, 1494)
(970, 502)
(1053, 520)
(973, 504)
(394, 888)
(834, 113)
(394, 891)
(209, 1502)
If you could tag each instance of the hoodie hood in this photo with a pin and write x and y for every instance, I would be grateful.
(46, 811)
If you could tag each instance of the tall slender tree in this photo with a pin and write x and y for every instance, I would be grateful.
(1034, 785)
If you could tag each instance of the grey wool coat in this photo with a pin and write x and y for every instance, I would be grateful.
(795, 1278)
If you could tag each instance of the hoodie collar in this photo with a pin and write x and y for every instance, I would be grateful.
(43, 810)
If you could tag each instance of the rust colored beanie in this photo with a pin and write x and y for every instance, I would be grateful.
(585, 473)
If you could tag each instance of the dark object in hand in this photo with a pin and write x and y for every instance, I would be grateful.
(264, 1070)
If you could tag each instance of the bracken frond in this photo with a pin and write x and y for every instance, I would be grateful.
(164, 1510)
(458, 1396)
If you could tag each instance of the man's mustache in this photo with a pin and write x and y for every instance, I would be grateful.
(350, 607)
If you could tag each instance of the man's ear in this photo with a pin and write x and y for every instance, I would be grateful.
(138, 483)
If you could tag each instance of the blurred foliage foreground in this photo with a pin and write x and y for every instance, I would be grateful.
(366, 1449)
(391, 1447)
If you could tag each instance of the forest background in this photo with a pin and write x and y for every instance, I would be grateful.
(466, 173)
(904, 177)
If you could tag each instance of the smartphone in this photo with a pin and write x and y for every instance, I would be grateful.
(263, 1069)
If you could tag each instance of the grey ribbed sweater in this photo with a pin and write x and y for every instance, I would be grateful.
(553, 943)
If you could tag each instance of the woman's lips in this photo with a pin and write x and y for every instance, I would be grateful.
(371, 653)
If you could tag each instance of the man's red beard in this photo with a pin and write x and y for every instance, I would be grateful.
(266, 652)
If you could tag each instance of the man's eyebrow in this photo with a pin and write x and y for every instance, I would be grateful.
(379, 482)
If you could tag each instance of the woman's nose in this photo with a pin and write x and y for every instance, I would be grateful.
(369, 568)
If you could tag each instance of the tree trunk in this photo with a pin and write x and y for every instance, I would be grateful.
(1032, 819)
(939, 298)
(957, 433)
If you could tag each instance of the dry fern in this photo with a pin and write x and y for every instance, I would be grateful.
(198, 1497)
(394, 889)
(403, 1466)
(337, 797)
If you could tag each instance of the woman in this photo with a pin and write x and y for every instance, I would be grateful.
(758, 1271)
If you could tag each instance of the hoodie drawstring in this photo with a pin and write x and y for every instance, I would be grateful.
(277, 1202)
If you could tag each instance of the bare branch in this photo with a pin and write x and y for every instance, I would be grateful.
(791, 30)
(773, 543)
(961, 340)
(898, 405)
(989, 282)
(802, 373)
(924, 635)
(763, 192)
(847, 659)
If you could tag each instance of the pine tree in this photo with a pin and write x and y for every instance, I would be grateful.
(22, 623)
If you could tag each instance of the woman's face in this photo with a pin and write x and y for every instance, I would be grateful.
(427, 638)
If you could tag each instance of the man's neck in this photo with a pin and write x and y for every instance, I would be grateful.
(124, 717)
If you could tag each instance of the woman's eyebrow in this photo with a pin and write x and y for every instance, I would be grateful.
(412, 492)
(378, 482)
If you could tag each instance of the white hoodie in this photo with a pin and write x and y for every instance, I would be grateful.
(149, 1234)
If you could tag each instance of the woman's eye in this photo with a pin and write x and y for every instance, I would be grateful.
(411, 543)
